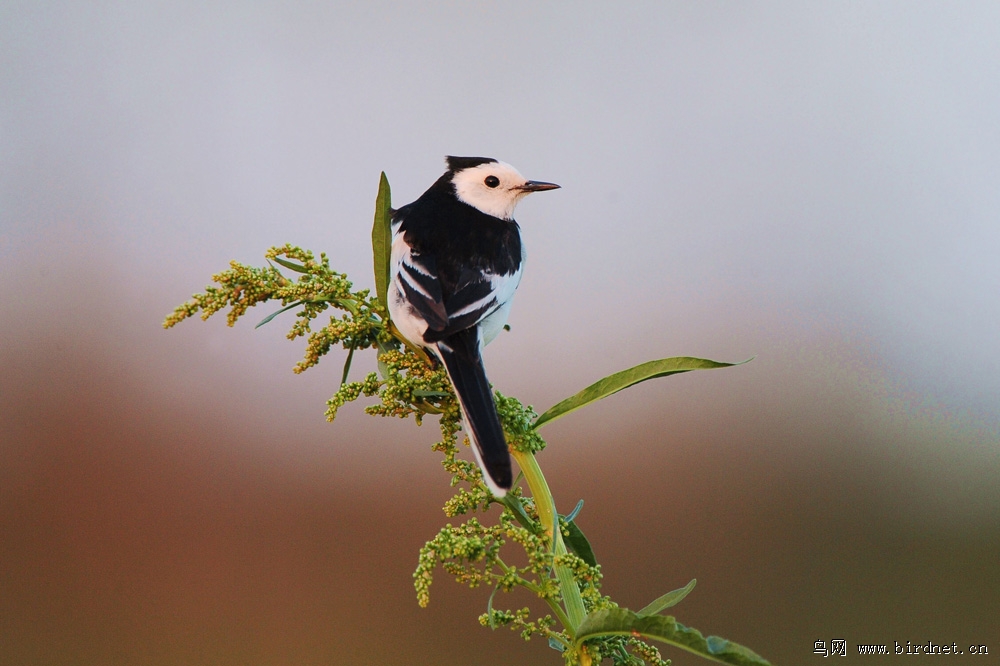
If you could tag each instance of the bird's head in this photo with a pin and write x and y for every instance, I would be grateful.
(491, 186)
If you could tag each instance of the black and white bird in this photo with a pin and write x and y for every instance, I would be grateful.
(457, 259)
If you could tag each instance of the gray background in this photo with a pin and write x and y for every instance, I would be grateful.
(814, 184)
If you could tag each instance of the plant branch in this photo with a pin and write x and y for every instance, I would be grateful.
(546, 508)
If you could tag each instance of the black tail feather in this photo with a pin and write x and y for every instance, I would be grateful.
(460, 354)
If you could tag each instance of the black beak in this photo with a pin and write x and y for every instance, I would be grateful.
(537, 186)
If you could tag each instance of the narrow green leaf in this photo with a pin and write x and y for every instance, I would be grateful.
(622, 380)
(382, 239)
(489, 608)
(667, 600)
(291, 265)
(275, 314)
(623, 622)
(556, 645)
(347, 366)
(348, 304)
(383, 369)
(422, 393)
(578, 544)
(575, 512)
(513, 502)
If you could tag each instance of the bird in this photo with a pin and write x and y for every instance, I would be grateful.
(456, 261)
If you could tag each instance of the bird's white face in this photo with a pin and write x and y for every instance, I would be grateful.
(494, 188)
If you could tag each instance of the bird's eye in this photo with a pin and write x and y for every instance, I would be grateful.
(492, 181)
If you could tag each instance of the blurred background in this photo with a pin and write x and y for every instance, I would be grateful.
(813, 185)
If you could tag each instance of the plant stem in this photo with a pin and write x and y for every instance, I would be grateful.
(546, 508)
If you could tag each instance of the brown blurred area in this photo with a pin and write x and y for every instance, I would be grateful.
(146, 520)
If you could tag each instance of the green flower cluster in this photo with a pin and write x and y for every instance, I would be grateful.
(412, 386)
(316, 289)
(518, 425)
(472, 552)
(560, 570)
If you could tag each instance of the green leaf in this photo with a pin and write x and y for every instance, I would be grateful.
(556, 645)
(275, 314)
(578, 544)
(382, 240)
(623, 622)
(489, 608)
(347, 366)
(422, 393)
(291, 265)
(667, 600)
(622, 380)
(383, 369)
(576, 510)
(513, 503)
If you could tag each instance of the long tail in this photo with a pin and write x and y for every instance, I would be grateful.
(460, 354)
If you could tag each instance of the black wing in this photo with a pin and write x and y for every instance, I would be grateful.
(448, 305)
